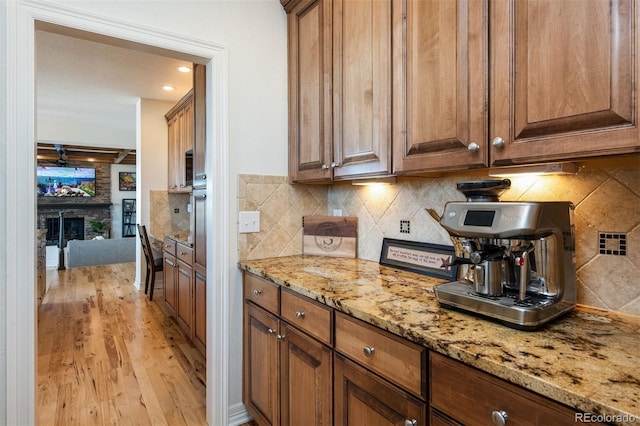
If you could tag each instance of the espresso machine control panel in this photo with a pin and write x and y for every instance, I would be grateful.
(492, 219)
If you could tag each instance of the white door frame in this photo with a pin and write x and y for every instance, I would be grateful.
(21, 306)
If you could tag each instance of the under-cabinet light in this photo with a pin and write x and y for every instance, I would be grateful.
(375, 181)
(536, 170)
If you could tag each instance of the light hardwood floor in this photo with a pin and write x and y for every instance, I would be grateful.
(106, 355)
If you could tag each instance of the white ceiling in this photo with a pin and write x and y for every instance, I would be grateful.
(91, 85)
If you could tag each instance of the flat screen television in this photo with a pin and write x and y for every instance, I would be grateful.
(53, 181)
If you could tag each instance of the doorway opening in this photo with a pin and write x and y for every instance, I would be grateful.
(21, 315)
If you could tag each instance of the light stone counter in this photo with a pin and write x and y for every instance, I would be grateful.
(588, 359)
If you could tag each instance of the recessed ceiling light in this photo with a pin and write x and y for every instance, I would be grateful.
(184, 69)
(168, 88)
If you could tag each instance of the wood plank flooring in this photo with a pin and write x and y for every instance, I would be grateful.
(108, 356)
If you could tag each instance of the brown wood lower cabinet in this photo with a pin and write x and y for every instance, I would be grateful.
(362, 398)
(184, 313)
(305, 378)
(469, 396)
(304, 364)
(261, 390)
(185, 292)
(200, 309)
(170, 271)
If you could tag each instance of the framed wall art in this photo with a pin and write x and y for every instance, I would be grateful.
(127, 181)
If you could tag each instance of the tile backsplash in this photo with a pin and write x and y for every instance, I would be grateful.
(169, 213)
(606, 196)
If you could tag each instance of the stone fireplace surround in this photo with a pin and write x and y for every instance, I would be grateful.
(95, 208)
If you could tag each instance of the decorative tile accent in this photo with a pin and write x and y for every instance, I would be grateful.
(605, 197)
(611, 243)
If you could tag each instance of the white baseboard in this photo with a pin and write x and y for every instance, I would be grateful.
(238, 415)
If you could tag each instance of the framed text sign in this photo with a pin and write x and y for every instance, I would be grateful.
(423, 258)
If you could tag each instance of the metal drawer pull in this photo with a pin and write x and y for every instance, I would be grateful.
(257, 292)
(499, 418)
(299, 314)
(368, 350)
(412, 422)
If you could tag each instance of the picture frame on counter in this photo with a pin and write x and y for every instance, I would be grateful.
(435, 260)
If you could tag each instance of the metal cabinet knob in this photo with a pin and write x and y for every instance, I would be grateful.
(473, 147)
(299, 314)
(257, 292)
(281, 337)
(412, 422)
(498, 142)
(271, 331)
(334, 165)
(499, 418)
(325, 167)
(368, 350)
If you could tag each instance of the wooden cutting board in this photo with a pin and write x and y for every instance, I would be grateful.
(335, 236)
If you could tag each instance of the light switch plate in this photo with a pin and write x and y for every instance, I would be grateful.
(248, 222)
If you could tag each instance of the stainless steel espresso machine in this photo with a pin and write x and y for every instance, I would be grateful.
(517, 258)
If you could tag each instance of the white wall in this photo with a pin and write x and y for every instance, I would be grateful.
(117, 196)
(254, 33)
(3, 219)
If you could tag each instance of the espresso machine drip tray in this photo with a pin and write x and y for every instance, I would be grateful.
(528, 314)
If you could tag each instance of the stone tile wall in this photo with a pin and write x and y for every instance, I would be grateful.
(606, 195)
(164, 219)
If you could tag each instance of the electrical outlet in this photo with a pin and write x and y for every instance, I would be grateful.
(405, 227)
(176, 210)
(248, 222)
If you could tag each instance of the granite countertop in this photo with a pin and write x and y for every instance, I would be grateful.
(587, 359)
(181, 237)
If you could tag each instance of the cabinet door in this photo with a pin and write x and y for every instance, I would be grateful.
(185, 297)
(186, 144)
(200, 125)
(172, 156)
(361, 87)
(170, 271)
(361, 398)
(439, 85)
(261, 390)
(200, 309)
(564, 77)
(200, 227)
(306, 379)
(310, 127)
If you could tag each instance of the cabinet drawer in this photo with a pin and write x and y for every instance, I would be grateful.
(262, 292)
(455, 385)
(307, 315)
(395, 359)
(169, 246)
(185, 254)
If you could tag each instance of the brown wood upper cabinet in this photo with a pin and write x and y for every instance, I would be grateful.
(468, 85)
(440, 86)
(339, 89)
(181, 125)
(562, 80)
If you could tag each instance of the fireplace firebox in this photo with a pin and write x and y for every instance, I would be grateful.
(73, 229)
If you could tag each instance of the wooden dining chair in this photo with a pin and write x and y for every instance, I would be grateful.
(153, 259)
